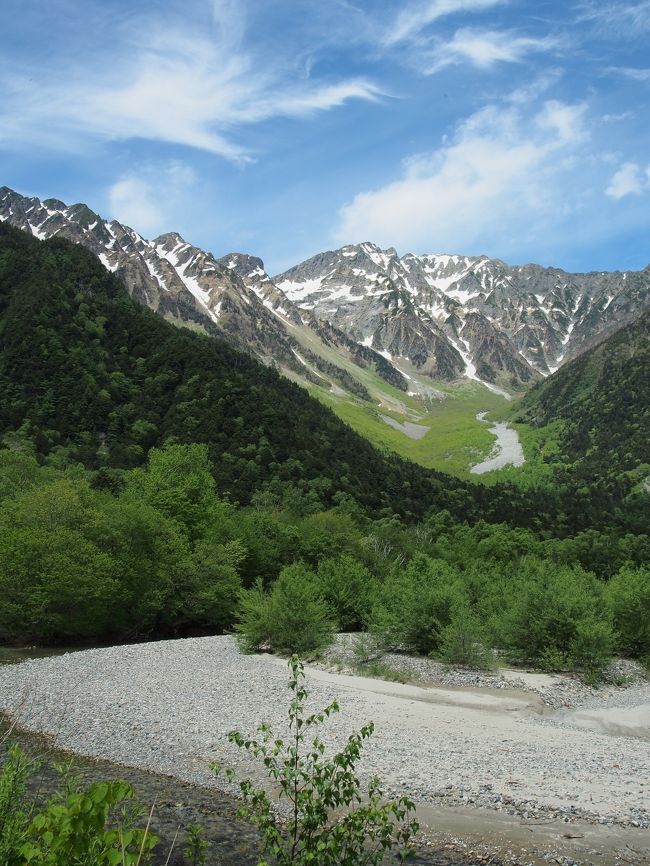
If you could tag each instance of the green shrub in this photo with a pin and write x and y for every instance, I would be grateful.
(77, 830)
(365, 649)
(14, 808)
(380, 671)
(463, 641)
(292, 617)
(591, 647)
(415, 605)
(330, 824)
(552, 610)
(552, 659)
(348, 588)
(628, 598)
(195, 846)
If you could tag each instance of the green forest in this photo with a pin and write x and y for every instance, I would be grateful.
(155, 482)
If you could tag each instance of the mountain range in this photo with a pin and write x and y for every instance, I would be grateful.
(414, 320)
(89, 376)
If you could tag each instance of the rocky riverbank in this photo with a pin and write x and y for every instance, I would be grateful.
(483, 761)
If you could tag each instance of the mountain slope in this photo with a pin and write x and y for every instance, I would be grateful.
(600, 406)
(88, 374)
(446, 317)
(232, 297)
(388, 343)
(459, 315)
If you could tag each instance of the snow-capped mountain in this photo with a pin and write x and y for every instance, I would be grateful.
(232, 296)
(459, 315)
(174, 278)
(407, 319)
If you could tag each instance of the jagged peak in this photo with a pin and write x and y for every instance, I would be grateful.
(234, 261)
(53, 204)
(170, 239)
(82, 214)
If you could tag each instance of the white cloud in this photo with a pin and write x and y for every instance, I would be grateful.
(172, 83)
(484, 48)
(563, 120)
(416, 16)
(635, 73)
(147, 197)
(618, 19)
(229, 17)
(504, 174)
(630, 179)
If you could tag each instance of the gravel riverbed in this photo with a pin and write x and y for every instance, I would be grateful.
(493, 746)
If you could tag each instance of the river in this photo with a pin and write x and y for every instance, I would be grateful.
(507, 450)
(178, 804)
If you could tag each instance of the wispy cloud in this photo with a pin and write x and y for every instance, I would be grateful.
(148, 196)
(630, 179)
(173, 84)
(635, 73)
(618, 19)
(484, 48)
(504, 173)
(415, 17)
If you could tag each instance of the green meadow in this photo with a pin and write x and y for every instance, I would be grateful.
(455, 440)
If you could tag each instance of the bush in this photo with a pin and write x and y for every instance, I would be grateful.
(291, 618)
(628, 598)
(329, 825)
(552, 611)
(591, 648)
(348, 588)
(415, 605)
(552, 659)
(75, 830)
(14, 808)
(79, 828)
(365, 649)
(463, 641)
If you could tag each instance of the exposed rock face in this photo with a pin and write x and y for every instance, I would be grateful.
(232, 297)
(449, 316)
(509, 324)
(174, 278)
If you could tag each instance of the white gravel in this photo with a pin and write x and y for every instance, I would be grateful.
(168, 706)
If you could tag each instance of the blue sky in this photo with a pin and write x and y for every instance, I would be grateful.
(285, 127)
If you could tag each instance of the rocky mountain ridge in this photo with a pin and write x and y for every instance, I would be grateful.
(463, 315)
(410, 319)
(231, 297)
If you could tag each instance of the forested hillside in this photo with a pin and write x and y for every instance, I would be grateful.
(88, 375)
(154, 481)
(589, 425)
(603, 401)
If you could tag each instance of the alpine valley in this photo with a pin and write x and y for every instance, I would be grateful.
(158, 483)
(394, 345)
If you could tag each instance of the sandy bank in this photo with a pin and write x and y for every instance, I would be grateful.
(492, 756)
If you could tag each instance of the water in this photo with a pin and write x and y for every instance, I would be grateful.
(13, 655)
(507, 450)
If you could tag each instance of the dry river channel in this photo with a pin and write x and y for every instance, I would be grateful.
(505, 768)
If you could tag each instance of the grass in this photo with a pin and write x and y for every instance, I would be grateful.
(455, 441)
(380, 671)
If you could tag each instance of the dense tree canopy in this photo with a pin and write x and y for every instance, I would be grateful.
(156, 482)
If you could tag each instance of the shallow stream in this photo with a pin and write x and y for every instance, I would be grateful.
(507, 450)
